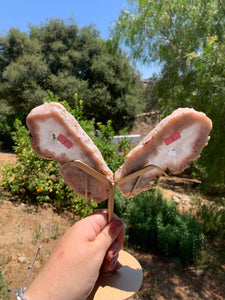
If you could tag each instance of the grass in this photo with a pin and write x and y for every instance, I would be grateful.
(45, 234)
(4, 285)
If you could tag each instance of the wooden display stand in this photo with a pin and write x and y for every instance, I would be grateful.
(121, 284)
(125, 282)
(111, 184)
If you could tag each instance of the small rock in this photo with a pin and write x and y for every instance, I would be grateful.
(182, 199)
(185, 200)
(176, 199)
(23, 260)
(47, 205)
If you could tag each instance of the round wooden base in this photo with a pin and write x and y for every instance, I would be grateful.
(121, 284)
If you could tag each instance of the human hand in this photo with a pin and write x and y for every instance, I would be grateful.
(74, 265)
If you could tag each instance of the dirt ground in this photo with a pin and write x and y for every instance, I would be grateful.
(24, 228)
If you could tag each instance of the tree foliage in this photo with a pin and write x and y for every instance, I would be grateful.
(187, 38)
(151, 95)
(59, 56)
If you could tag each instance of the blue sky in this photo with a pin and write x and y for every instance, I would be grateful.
(101, 13)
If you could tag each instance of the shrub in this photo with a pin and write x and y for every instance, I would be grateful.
(79, 207)
(212, 218)
(6, 126)
(156, 225)
(114, 155)
(4, 294)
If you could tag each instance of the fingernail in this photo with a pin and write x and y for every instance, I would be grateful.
(111, 254)
(115, 227)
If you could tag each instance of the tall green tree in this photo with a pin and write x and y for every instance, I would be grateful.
(187, 38)
(23, 70)
(60, 57)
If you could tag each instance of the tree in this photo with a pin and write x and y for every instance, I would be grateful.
(60, 57)
(151, 94)
(187, 38)
(23, 70)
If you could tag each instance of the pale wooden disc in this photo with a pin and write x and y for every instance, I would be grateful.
(121, 284)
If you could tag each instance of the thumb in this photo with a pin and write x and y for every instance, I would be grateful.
(109, 234)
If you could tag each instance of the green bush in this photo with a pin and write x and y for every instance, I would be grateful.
(79, 207)
(4, 294)
(212, 218)
(34, 179)
(114, 155)
(156, 225)
(6, 126)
